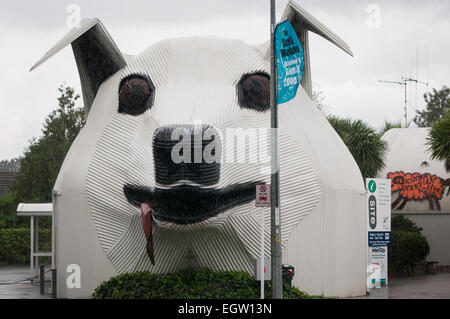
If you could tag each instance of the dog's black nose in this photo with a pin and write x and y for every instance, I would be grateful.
(187, 153)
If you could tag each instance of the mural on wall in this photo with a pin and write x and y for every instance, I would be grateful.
(417, 187)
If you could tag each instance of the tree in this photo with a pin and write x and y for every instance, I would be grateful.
(8, 216)
(43, 158)
(438, 140)
(12, 165)
(363, 142)
(390, 125)
(437, 104)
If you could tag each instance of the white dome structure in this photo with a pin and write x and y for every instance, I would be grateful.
(420, 188)
(418, 182)
(121, 205)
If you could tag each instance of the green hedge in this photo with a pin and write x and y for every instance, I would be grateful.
(408, 246)
(15, 244)
(204, 284)
(402, 223)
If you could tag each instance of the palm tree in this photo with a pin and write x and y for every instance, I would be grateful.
(438, 140)
(363, 142)
(389, 125)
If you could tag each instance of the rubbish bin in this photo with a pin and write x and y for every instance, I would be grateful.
(288, 274)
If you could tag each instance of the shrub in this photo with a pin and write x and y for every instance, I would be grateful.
(8, 214)
(15, 244)
(203, 284)
(400, 222)
(408, 246)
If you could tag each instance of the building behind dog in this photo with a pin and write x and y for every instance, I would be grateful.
(420, 190)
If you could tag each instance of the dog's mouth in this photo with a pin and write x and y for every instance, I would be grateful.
(184, 205)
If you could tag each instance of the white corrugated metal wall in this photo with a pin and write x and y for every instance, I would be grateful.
(408, 153)
(436, 228)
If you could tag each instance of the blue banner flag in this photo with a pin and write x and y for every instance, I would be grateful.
(290, 62)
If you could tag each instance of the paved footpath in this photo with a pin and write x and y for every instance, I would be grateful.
(420, 287)
(15, 283)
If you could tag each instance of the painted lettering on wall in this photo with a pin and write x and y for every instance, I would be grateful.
(417, 187)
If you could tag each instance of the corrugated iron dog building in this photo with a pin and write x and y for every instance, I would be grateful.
(122, 205)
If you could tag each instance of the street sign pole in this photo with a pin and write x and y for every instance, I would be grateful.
(262, 199)
(262, 272)
(276, 261)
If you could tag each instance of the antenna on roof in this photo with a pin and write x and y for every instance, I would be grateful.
(404, 82)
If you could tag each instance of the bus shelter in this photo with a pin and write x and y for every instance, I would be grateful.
(35, 211)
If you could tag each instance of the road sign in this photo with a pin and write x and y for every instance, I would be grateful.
(267, 269)
(378, 229)
(378, 205)
(262, 195)
(262, 199)
(378, 264)
(379, 238)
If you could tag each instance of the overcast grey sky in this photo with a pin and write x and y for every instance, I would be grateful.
(396, 44)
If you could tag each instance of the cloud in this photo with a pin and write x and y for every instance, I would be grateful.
(408, 30)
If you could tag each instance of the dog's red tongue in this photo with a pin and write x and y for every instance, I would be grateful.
(146, 215)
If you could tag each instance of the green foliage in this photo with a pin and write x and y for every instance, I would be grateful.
(437, 104)
(389, 125)
(408, 246)
(15, 244)
(438, 140)
(8, 216)
(12, 165)
(365, 144)
(401, 223)
(203, 284)
(42, 160)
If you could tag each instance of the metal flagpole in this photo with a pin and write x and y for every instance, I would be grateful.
(277, 285)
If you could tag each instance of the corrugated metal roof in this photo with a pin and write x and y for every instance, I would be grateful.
(44, 209)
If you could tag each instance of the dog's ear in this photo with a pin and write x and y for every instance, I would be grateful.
(303, 22)
(96, 55)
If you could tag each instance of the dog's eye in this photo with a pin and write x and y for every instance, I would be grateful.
(254, 92)
(135, 95)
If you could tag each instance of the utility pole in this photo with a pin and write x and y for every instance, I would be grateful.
(404, 83)
(276, 261)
